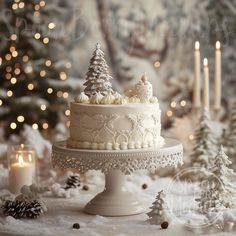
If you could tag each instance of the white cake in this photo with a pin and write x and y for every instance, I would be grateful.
(125, 126)
(102, 119)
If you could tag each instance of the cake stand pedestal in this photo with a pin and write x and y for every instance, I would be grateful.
(115, 200)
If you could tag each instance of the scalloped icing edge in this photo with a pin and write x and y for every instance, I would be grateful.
(115, 146)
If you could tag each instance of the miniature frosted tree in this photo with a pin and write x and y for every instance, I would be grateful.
(97, 77)
(218, 192)
(230, 136)
(205, 150)
(159, 211)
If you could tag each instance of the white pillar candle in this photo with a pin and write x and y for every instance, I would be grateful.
(206, 99)
(217, 95)
(21, 168)
(197, 77)
(21, 173)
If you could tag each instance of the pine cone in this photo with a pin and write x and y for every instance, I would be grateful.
(16, 209)
(20, 209)
(34, 209)
(73, 181)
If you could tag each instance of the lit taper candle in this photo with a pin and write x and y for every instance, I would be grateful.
(206, 99)
(217, 95)
(197, 77)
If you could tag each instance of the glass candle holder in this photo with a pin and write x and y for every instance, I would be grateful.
(22, 167)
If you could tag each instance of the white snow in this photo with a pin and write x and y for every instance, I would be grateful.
(35, 139)
(64, 212)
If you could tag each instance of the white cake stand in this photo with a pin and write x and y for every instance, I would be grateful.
(115, 200)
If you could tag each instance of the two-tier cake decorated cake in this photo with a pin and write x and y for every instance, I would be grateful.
(103, 119)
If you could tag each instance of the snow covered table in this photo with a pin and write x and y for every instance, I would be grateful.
(63, 213)
(115, 200)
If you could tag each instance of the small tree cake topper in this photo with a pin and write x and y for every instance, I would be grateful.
(97, 77)
(229, 137)
(205, 150)
(218, 192)
(159, 211)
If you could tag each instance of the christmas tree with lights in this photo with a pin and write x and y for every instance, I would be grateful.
(33, 63)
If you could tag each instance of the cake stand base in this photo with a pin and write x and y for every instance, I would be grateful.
(115, 200)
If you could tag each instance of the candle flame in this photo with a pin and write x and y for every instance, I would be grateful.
(218, 45)
(205, 62)
(30, 158)
(20, 160)
(197, 45)
(22, 145)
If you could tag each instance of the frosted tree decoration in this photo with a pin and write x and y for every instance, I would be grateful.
(205, 149)
(217, 191)
(97, 77)
(229, 137)
(159, 211)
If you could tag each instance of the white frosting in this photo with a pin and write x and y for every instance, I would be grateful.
(134, 99)
(108, 99)
(112, 127)
(82, 98)
(153, 100)
(96, 98)
(120, 100)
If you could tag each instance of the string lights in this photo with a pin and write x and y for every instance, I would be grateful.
(13, 80)
(191, 137)
(45, 125)
(13, 37)
(42, 73)
(9, 93)
(13, 125)
(35, 126)
(46, 40)
(20, 119)
(63, 75)
(67, 112)
(51, 25)
(30, 86)
(49, 90)
(43, 107)
(37, 36)
(48, 63)
(157, 64)
(42, 3)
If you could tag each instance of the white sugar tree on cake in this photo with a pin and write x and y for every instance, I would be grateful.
(218, 192)
(159, 211)
(205, 149)
(97, 77)
(229, 137)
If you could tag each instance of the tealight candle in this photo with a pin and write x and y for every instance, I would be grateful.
(21, 164)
